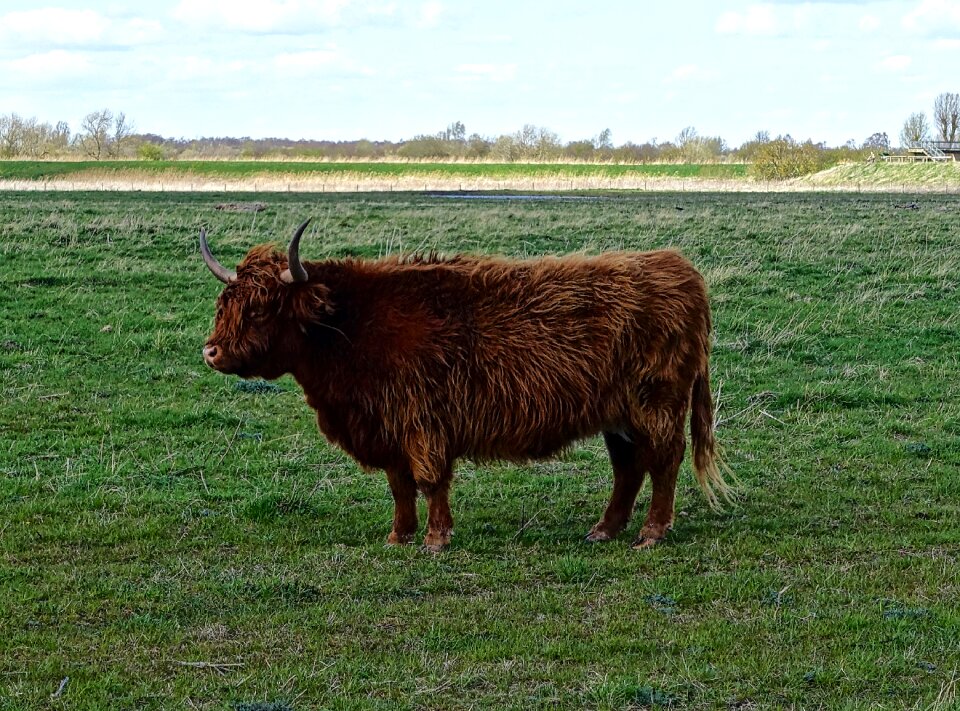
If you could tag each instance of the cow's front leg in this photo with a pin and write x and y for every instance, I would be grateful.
(404, 490)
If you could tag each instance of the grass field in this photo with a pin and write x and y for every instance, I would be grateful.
(212, 169)
(174, 538)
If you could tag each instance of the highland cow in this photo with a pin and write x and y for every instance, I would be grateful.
(414, 362)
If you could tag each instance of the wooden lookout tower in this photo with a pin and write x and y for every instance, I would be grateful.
(929, 151)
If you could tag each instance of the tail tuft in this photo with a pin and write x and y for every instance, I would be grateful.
(708, 466)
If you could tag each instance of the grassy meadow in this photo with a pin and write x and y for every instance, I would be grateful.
(174, 538)
(358, 176)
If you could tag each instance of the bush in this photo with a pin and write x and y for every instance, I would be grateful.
(149, 151)
(784, 158)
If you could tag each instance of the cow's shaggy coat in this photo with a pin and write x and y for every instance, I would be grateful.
(412, 363)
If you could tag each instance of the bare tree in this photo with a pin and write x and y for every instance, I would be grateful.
(877, 142)
(686, 136)
(946, 116)
(95, 133)
(35, 138)
(478, 146)
(694, 148)
(547, 145)
(604, 142)
(456, 131)
(915, 129)
(61, 135)
(103, 133)
(11, 135)
(505, 149)
(525, 140)
(534, 143)
(122, 130)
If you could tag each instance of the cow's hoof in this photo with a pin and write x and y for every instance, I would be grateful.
(598, 535)
(436, 542)
(399, 539)
(651, 534)
(644, 542)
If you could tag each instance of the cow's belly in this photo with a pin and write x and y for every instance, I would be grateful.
(362, 439)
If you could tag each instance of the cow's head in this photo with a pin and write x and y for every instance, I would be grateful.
(266, 310)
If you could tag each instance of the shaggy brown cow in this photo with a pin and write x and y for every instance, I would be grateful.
(414, 362)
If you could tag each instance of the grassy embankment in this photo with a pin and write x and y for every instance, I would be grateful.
(173, 537)
(902, 177)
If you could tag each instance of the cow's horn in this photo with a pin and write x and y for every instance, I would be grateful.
(219, 271)
(295, 270)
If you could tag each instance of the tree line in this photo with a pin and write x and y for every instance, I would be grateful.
(108, 134)
(103, 134)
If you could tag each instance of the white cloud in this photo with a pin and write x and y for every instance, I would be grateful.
(816, 18)
(430, 14)
(869, 23)
(190, 68)
(48, 67)
(294, 16)
(60, 27)
(756, 20)
(934, 17)
(684, 72)
(51, 23)
(326, 61)
(306, 61)
(689, 72)
(490, 72)
(895, 63)
(258, 16)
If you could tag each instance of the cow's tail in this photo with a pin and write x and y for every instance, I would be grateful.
(708, 466)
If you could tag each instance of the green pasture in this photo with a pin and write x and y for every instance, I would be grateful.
(174, 538)
(45, 170)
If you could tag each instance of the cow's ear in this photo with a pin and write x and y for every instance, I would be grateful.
(312, 304)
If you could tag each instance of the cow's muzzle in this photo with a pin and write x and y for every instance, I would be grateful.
(211, 355)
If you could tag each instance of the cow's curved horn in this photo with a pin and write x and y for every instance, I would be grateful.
(295, 270)
(219, 271)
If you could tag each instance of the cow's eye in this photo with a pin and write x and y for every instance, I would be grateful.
(255, 313)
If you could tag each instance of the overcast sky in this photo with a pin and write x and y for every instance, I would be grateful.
(392, 69)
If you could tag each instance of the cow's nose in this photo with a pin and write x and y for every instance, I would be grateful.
(210, 354)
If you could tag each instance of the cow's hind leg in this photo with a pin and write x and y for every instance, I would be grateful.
(433, 478)
(439, 518)
(627, 459)
(666, 456)
(404, 490)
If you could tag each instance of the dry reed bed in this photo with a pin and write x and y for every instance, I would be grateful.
(356, 182)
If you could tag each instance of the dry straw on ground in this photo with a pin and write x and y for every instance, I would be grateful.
(876, 177)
